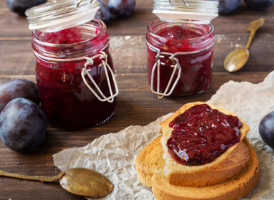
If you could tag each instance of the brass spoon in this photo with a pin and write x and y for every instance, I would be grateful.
(79, 181)
(237, 59)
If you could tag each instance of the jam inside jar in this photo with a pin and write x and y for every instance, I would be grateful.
(60, 59)
(179, 57)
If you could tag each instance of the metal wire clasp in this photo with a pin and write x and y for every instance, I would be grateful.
(158, 63)
(85, 71)
(80, 1)
(172, 2)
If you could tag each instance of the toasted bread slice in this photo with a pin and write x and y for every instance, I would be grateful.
(233, 188)
(175, 172)
(149, 162)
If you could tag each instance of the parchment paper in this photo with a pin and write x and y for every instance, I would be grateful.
(114, 154)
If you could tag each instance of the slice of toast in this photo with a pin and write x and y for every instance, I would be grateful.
(150, 161)
(176, 173)
(233, 188)
(149, 165)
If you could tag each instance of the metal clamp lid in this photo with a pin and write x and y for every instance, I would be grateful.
(103, 56)
(157, 65)
(176, 68)
(58, 15)
(85, 71)
(191, 11)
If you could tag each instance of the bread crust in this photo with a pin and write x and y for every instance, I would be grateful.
(178, 173)
(233, 188)
(150, 161)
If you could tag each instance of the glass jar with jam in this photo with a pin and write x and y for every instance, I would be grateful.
(74, 69)
(180, 47)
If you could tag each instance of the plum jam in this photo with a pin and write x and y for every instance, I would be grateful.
(201, 134)
(65, 62)
(179, 57)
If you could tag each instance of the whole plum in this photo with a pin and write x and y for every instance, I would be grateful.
(228, 6)
(23, 125)
(266, 129)
(18, 88)
(259, 4)
(121, 8)
(20, 6)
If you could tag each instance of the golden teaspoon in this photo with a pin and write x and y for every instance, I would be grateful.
(79, 181)
(237, 59)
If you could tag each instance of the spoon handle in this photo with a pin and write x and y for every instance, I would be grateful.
(34, 178)
(253, 27)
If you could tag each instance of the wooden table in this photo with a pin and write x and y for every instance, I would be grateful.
(136, 104)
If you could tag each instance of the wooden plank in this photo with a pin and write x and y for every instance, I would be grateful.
(129, 54)
(13, 25)
(142, 4)
(135, 94)
(136, 106)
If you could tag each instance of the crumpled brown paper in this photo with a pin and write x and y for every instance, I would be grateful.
(114, 154)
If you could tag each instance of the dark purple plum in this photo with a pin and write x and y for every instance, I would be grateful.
(266, 129)
(23, 125)
(20, 6)
(259, 4)
(121, 8)
(103, 13)
(228, 6)
(18, 88)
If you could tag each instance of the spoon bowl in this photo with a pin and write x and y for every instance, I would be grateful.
(86, 182)
(236, 60)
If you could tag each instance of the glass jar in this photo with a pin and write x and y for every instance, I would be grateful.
(74, 74)
(179, 57)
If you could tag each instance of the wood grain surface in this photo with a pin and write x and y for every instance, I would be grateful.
(136, 104)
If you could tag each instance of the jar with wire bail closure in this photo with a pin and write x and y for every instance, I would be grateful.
(74, 69)
(180, 47)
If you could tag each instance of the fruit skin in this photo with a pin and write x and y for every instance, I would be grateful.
(20, 6)
(259, 4)
(266, 129)
(18, 88)
(228, 6)
(103, 13)
(121, 8)
(23, 125)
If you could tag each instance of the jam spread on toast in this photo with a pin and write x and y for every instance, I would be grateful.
(201, 134)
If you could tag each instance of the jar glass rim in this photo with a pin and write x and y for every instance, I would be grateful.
(99, 22)
(210, 31)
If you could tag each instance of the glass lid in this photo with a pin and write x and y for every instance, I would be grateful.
(191, 11)
(58, 15)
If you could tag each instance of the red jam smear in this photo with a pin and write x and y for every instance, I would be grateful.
(201, 134)
(196, 68)
(66, 100)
